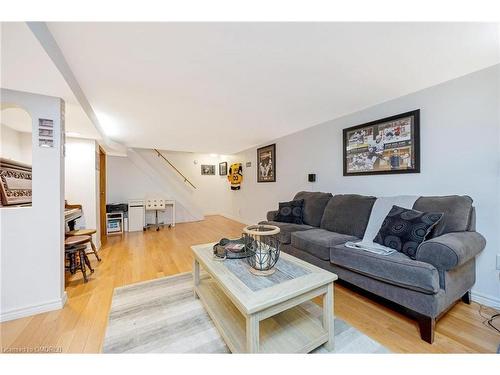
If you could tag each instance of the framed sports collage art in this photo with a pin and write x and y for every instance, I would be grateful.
(387, 146)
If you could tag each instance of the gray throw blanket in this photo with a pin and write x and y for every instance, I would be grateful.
(380, 209)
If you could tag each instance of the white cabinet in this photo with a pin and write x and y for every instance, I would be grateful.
(136, 220)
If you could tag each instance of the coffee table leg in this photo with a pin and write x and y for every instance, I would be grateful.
(328, 318)
(252, 334)
(196, 276)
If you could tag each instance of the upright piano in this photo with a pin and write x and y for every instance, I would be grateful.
(15, 183)
(72, 212)
(16, 189)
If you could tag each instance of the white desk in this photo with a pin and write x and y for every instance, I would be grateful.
(161, 205)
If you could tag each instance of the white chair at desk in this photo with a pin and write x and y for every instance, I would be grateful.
(159, 204)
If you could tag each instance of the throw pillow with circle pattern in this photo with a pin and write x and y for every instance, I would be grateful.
(290, 212)
(404, 229)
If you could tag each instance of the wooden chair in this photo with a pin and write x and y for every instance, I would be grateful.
(75, 246)
(85, 232)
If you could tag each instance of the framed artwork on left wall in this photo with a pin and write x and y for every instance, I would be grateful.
(223, 168)
(266, 163)
(207, 170)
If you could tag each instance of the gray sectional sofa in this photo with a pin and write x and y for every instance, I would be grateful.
(425, 288)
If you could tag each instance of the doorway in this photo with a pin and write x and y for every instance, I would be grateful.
(102, 194)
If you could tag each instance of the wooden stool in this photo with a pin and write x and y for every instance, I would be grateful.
(74, 254)
(76, 245)
(85, 232)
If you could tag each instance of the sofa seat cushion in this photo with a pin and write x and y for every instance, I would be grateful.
(286, 229)
(318, 242)
(397, 268)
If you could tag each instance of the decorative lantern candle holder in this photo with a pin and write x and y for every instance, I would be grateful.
(263, 246)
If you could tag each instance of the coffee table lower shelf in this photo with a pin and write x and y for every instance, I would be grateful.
(294, 330)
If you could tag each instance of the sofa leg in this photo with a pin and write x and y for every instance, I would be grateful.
(426, 325)
(466, 298)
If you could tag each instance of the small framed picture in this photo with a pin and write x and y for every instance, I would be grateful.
(207, 170)
(45, 133)
(266, 163)
(223, 169)
(387, 146)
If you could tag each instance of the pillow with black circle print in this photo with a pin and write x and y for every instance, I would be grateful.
(404, 229)
(290, 212)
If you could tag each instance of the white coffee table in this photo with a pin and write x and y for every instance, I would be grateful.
(259, 314)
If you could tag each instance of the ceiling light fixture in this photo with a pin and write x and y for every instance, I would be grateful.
(109, 124)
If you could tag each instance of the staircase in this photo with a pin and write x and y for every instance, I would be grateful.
(169, 180)
(160, 155)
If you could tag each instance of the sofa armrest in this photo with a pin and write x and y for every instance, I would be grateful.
(271, 215)
(451, 250)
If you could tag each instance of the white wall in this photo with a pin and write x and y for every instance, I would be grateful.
(81, 182)
(211, 194)
(125, 180)
(15, 145)
(459, 155)
(31, 243)
(143, 174)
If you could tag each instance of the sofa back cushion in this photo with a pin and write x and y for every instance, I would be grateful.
(457, 211)
(314, 206)
(348, 214)
(472, 221)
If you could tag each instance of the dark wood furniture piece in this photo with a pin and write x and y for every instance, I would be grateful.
(15, 183)
(74, 248)
(85, 232)
(71, 213)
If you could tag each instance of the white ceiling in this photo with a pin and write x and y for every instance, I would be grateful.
(224, 87)
(26, 67)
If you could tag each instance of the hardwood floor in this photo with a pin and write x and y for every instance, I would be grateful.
(80, 326)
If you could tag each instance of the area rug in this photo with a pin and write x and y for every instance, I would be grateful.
(162, 316)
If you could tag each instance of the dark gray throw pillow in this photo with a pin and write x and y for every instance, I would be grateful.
(404, 229)
(290, 212)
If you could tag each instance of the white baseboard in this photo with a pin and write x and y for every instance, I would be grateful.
(64, 299)
(235, 218)
(33, 310)
(486, 300)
